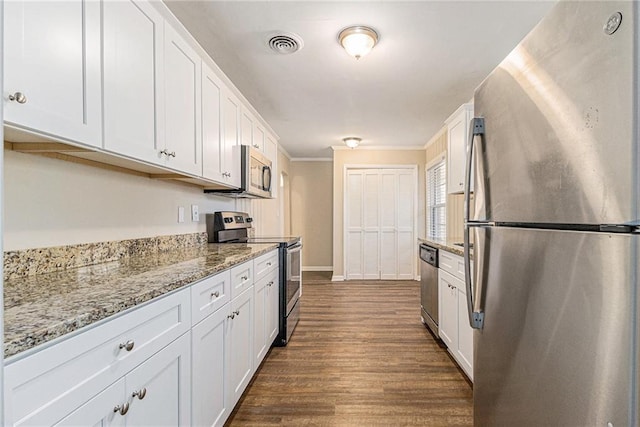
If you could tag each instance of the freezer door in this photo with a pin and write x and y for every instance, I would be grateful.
(557, 344)
(559, 122)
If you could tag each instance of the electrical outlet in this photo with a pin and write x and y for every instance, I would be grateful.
(180, 213)
(195, 215)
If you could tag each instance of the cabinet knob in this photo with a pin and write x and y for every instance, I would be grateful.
(215, 294)
(140, 394)
(270, 283)
(237, 312)
(123, 409)
(19, 97)
(268, 264)
(127, 345)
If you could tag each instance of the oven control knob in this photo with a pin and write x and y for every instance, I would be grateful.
(249, 219)
(228, 220)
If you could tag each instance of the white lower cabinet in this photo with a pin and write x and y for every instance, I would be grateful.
(210, 349)
(453, 321)
(183, 359)
(264, 315)
(100, 411)
(240, 345)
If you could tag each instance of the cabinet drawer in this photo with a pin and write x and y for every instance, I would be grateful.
(264, 264)
(452, 264)
(241, 278)
(209, 295)
(59, 378)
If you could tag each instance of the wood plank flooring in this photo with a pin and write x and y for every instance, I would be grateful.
(359, 357)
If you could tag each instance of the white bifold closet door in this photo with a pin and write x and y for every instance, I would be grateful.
(380, 209)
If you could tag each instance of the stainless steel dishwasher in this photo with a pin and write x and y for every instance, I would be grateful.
(429, 287)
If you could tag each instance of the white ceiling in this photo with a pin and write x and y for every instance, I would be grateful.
(431, 56)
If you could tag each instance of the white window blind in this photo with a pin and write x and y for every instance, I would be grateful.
(436, 202)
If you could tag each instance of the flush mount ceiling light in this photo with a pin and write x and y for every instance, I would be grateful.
(358, 40)
(352, 141)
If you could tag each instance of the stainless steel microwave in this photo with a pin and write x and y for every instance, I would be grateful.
(255, 169)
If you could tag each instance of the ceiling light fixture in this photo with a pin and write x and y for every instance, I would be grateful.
(352, 141)
(358, 40)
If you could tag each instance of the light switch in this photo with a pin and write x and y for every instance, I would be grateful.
(195, 215)
(180, 213)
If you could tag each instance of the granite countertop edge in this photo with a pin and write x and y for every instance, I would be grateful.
(21, 335)
(445, 246)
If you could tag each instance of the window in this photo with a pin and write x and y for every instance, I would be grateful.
(436, 202)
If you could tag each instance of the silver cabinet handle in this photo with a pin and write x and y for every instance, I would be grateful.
(231, 316)
(244, 277)
(140, 394)
(127, 345)
(19, 97)
(167, 153)
(215, 294)
(268, 264)
(123, 409)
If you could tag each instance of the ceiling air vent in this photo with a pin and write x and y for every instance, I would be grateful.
(285, 43)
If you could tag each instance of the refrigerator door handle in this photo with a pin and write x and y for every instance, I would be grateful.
(476, 317)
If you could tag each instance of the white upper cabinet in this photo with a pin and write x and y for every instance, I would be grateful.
(231, 137)
(52, 68)
(458, 133)
(183, 144)
(133, 80)
(246, 127)
(258, 137)
(213, 148)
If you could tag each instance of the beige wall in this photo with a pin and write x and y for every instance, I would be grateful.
(369, 157)
(50, 202)
(312, 211)
(437, 148)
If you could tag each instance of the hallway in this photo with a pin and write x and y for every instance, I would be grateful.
(359, 356)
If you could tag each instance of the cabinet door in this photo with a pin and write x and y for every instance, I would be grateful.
(464, 352)
(101, 410)
(133, 33)
(210, 341)
(272, 310)
(182, 107)
(213, 149)
(458, 133)
(259, 321)
(164, 380)
(231, 136)
(52, 56)
(246, 127)
(448, 310)
(240, 345)
(257, 140)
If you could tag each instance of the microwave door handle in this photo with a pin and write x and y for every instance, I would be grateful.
(266, 177)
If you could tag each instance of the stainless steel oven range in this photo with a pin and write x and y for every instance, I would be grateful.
(232, 227)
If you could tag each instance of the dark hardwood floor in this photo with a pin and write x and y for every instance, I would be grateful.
(359, 357)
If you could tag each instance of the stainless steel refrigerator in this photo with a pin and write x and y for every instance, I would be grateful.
(554, 295)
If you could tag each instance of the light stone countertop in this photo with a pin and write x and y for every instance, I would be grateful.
(445, 246)
(40, 308)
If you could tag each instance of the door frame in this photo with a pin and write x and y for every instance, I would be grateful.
(345, 213)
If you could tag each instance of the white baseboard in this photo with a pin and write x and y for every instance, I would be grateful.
(317, 268)
(337, 278)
